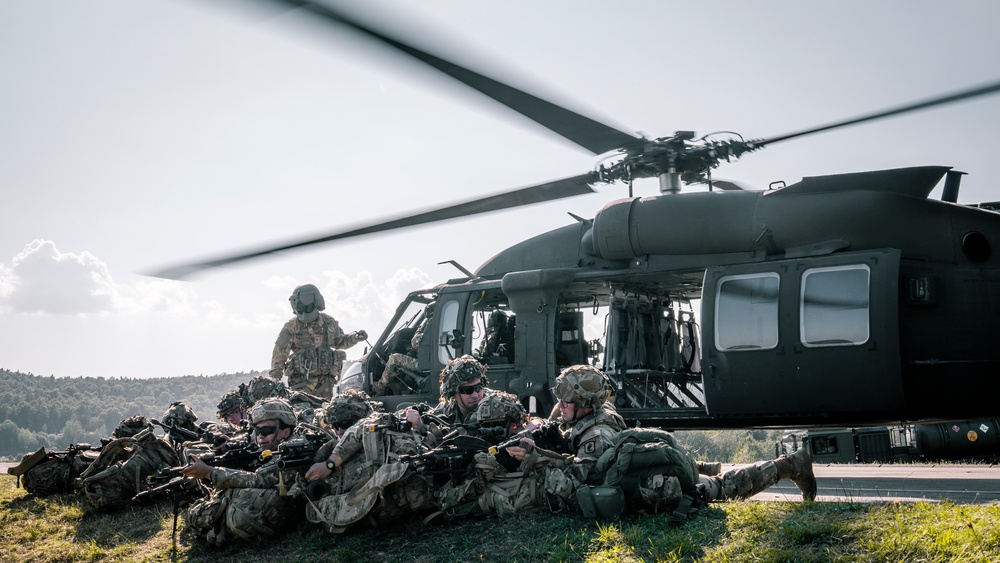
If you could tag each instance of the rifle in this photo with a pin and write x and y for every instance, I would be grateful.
(454, 457)
(300, 452)
(177, 433)
(546, 437)
(395, 423)
(168, 482)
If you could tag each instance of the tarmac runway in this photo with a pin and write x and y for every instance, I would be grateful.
(961, 484)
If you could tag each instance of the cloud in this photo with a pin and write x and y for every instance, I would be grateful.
(43, 280)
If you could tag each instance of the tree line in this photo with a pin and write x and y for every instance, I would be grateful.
(53, 412)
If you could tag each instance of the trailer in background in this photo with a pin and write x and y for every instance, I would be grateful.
(971, 440)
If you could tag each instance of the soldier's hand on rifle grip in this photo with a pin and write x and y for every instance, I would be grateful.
(197, 469)
(518, 452)
(413, 417)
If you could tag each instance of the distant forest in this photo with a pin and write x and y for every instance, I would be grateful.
(54, 412)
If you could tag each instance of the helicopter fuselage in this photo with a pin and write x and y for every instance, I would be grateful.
(840, 300)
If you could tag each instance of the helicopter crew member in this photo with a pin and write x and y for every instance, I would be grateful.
(308, 348)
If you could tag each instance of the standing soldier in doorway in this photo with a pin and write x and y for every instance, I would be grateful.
(308, 348)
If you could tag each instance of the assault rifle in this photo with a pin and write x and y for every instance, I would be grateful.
(454, 457)
(546, 437)
(168, 482)
(396, 423)
(202, 434)
(300, 452)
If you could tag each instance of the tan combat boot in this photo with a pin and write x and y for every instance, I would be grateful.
(798, 468)
(709, 468)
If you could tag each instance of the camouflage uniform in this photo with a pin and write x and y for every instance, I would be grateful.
(304, 352)
(372, 481)
(250, 505)
(546, 479)
(397, 360)
(456, 373)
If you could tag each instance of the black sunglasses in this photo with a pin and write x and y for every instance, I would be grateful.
(265, 430)
(470, 389)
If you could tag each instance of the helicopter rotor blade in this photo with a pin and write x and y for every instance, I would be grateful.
(549, 191)
(586, 132)
(970, 93)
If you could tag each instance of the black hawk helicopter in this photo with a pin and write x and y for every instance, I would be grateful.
(850, 299)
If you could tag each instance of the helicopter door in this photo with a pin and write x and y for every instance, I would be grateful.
(809, 336)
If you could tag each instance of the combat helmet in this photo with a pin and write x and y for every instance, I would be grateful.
(179, 415)
(347, 408)
(499, 406)
(232, 399)
(263, 387)
(131, 426)
(459, 372)
(582, 385)
(273, 409)
(307, 302)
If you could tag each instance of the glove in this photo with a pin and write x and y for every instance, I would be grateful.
(362, 335)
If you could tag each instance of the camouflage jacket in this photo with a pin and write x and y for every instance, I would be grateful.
(588, 437)
(265, 477)
(323, 334)
(381, 436)
(449, 412)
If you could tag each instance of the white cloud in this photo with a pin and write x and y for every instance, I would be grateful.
(43, 280)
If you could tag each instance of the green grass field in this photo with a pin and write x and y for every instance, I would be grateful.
(60, 529)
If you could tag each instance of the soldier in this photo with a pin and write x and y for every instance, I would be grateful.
(405, 361)
(587, 422)
(342, 412)
(463, 384)
(248, 504)
(232, 408)
(607, 473)
(304, 350)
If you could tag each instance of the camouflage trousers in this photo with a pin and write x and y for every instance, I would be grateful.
(243, 514)
(318, 385)
(400, 360)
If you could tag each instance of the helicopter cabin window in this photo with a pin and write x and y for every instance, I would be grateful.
(835, 306)
(448, 347)
(747, 312)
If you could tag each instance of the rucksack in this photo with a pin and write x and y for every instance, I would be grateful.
(638, 454)
(120, 472)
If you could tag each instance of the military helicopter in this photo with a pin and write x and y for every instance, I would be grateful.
(846, 299)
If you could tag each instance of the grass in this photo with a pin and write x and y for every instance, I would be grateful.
(59, 529)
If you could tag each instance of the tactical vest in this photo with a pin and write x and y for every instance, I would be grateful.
(311, 354)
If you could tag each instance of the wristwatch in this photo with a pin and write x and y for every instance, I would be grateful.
(331, 465)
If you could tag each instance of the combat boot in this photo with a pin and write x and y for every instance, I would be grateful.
(709, 468)
(798, 468)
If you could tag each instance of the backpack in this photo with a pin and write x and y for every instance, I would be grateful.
(46, 473)
(639, 455)
(120, 472)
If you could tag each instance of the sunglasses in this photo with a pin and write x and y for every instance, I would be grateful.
(265, 430)
(470, 389)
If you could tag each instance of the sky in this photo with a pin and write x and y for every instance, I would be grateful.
(138, 135)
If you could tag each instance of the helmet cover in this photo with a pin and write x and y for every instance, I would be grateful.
(460, 371)
(582, 385)
(273, 409)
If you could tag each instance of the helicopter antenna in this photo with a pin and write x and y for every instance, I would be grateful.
(460, 268)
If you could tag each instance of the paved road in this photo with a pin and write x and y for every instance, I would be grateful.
(962, 484)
